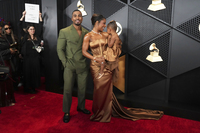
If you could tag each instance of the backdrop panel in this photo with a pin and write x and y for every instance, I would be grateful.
(50, 34)
(142, 28)
(153, 91)
(184, 54)
(184, 88)
(184, 10)
(162, 43)
(163, 15)
(191, 27)
(140, 75)
(107, 7)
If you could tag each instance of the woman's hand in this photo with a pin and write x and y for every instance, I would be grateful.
(100, 60)
(40, 16)
(23, 15)
(42, 43)
(12, 51)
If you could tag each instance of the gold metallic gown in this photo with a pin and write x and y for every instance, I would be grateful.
(105, 103)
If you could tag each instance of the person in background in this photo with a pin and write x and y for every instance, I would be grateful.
(22, 32)
(6, 86)
(30, 44)
(12, 40)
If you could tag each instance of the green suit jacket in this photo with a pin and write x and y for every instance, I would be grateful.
(69, 49)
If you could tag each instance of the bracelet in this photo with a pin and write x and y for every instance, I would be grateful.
(94, 59)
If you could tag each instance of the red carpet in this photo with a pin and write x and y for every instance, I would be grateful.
(42, 113)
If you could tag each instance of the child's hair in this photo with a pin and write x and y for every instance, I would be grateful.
(112, 24)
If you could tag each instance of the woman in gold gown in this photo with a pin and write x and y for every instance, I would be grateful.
(105, 103)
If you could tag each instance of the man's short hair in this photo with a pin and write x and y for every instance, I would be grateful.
(76, 10)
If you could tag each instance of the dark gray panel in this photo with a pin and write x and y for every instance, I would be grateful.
(184, 10)
(121, 16)
(140, 75)
(50, 35)
(125, 1)
(164, 15)
(191, 27)
(184, 88)
(153, 91)
(184, 54)
(88, 8)
(107, 7)
(142, 28)
(132, 1)
(162, 43)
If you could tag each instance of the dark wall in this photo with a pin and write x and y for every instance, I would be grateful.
(175, 80)
(11, 10)
(50, 35)
(177, 38)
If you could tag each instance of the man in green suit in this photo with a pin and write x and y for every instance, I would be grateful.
(69, 48)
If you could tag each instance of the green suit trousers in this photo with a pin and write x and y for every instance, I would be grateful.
(69, 80)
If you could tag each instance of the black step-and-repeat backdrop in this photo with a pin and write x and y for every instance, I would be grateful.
(174, 29)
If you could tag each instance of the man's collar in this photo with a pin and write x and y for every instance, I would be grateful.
(72, 27)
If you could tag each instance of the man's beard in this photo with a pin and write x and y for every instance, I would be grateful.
(77, 24)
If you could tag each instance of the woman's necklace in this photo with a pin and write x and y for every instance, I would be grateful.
(97, 32)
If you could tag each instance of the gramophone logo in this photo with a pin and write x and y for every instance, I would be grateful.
(81, 8)
(154, 54)
(119, 28)
(156, 5)
(199, 27)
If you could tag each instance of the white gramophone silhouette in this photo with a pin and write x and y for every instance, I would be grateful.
(119, 28)
(81, 8)
(156, 5)
(154, 54)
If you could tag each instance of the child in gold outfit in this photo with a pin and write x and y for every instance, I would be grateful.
(113, 51)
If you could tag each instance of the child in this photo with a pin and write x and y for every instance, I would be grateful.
(113, 51)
